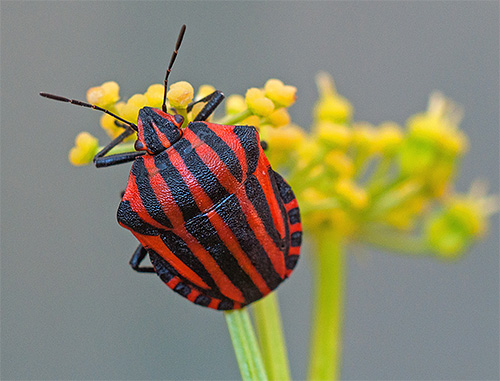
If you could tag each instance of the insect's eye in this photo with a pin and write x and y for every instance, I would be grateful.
(178, 119)
(138, 145)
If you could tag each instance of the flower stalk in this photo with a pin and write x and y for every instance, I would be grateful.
(272, 341)
(245, 345)
(328, 309)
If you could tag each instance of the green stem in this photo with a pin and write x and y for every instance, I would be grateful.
(398, 242)
(272, 342)
(245, 345)
(328, 315)
(234, 118)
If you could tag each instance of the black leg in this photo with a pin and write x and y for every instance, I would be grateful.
(139, 254)
(105, 161)
(213, 100)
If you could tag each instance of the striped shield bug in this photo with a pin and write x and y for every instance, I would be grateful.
(221, 228)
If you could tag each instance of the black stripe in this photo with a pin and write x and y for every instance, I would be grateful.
(225, 304)
(201, 228)
(126, 216)
(178, 188)
(248, 140)
(291, 261)
(203, 300)
(163, 269)
(296, 239)
(166, 272)
(294, 215)
(232, 214)
(182, 289)
(223, 151)
(147, 195)
(285, 189)
(180, 249)
(205, 178)
(256, 195)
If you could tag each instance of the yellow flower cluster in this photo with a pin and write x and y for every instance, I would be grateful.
(361, 181)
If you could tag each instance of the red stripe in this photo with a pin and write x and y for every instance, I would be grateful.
(212, 161)
(223, 231)
(256, 224)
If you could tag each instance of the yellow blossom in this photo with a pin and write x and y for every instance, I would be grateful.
(388, 137)
(86, 147)
(154, 95)
(340, 163)
(252, 120)
(333, 135)
(235, 104)
(281, 94)
(104, 95)
(348, 190)
(279, 117)
(258, 103)
(130, 110)
(204, 90)
(180, 94)
(331, 106)
(451, 230)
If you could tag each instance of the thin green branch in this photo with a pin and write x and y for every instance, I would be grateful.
(245, 345)
(328, 314)
(272, 342)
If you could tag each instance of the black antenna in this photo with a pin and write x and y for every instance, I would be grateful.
(172, 59)
(84, 104)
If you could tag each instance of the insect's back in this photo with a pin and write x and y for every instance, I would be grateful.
(211, 213)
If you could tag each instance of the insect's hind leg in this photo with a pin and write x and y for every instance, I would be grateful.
(138, 256)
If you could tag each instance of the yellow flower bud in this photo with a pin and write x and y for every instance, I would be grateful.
(235, 104)
(340, 163)
(348, 190)
(280, 94)
(388, 137)
(154, 95)
(452, 230)
(252, 120)
(364, 137)
(279, 117)
(108, 124)
(258, 103)
(333, 135)
(86, 147)
(104, 95)
(204, 90)
(130, 110)
(180, 94)
(330, 105)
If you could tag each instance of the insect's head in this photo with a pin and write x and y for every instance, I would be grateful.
(157, 130)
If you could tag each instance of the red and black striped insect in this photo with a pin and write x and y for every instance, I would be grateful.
(221, 228)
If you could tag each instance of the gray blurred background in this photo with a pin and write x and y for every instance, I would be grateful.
(71, 307)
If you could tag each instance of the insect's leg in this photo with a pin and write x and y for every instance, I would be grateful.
(213, 100)
(105, 161)
(139, 254)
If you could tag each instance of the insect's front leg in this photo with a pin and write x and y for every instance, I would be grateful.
(100, 160)
(213, 101)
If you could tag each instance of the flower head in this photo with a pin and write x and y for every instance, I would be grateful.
(180, 94)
